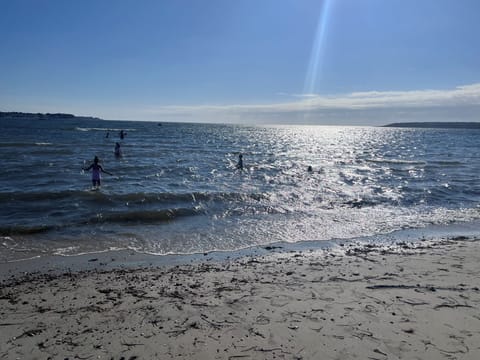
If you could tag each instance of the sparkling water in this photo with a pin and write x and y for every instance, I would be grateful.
(176, 189)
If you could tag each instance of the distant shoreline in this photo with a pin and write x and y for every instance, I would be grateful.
(43, 116)
(437, 125)
(65, 116)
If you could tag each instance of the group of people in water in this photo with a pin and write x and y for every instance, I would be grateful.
(117, 151)
(97, 169)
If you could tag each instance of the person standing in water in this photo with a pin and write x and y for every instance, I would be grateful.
(240, 162)
(97, 169)
(118, 150)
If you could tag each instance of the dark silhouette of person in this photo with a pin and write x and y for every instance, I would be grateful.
(240, 162)
(118, 150)
(97, 169)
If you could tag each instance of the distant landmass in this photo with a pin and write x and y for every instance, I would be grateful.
(437, 125)
(41, 116)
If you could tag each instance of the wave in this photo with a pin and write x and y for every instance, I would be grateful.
(144, 217)
(128, 217)
(446, 163)
(397, 161)
(100, 129)
(360, 203)
(92, 129)
(24, 144)
(141, 197)
(26, 230)
(43, 144)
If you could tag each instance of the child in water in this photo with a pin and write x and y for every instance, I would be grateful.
(97, 169)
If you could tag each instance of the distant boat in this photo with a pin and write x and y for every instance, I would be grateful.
(159, 124)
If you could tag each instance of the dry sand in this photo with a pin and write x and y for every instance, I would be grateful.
(409, 302)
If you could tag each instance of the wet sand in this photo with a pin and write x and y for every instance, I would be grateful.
(412, 301)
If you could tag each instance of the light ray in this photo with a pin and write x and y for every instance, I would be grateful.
(316, 57)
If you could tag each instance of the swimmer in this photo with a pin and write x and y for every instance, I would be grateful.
(240, 162)
(118, 151)
(97, 169)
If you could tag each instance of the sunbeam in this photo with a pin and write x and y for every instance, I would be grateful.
(316, 57)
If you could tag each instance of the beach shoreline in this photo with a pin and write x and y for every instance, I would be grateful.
(409, 300)
(131, 259)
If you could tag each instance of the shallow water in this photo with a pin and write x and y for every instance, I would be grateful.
(176, 189)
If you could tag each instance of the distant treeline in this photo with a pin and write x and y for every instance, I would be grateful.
(15, 114)
(40, 116)
(437, 125)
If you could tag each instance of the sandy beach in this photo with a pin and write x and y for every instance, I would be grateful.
(412, 301)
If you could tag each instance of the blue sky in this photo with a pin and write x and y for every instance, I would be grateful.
(357, 62)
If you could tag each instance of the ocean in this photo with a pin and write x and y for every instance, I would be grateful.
(176, 189)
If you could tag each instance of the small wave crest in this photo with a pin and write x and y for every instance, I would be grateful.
(396, 161)
(127, 217)
(25, 230)
(24, 144)
(360, 203)
(145, 217)
(100, 129)
(140, 197)
(447, 162)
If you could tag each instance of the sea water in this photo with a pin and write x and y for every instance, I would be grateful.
(176, 188)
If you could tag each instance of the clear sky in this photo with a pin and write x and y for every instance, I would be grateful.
(355, 62)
